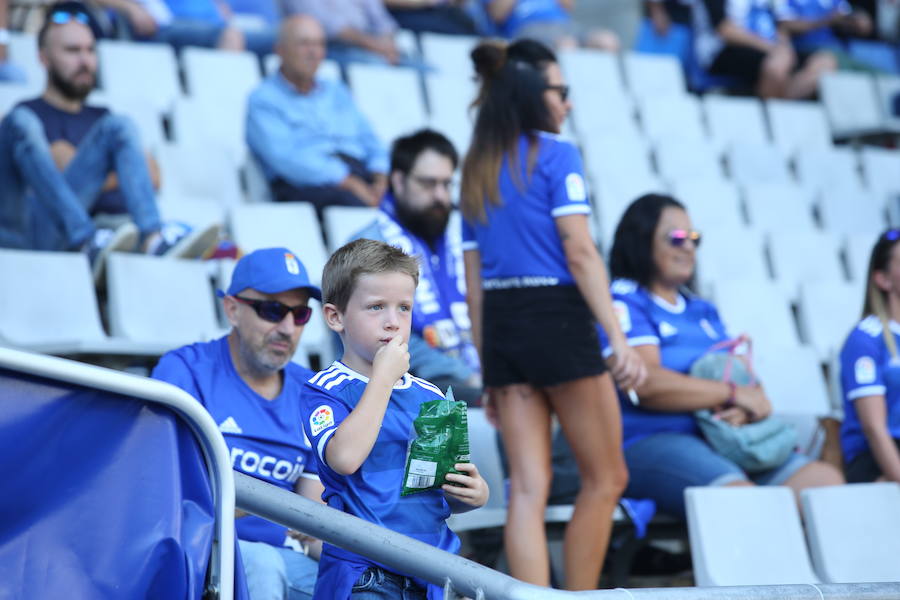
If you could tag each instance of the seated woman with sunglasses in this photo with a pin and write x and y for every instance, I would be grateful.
(652, 263)
(870, 373)
(249, 385)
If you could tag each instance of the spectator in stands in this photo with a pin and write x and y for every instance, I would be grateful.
(870, 433)
(815, 24)
(548, 21)
(8, 71)
(206, 23)
(436, 16)
(358, 415)
(249, 385)
(311, 140)
(652, 263)
(741, 39)
(357, 30)
(59, 157)
(535, 286)
(662, 13)
(413, 215)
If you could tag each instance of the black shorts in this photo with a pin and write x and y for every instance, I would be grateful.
(541, 335)
(744, 63)
(864, 468)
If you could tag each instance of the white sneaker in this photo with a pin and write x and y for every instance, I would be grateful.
(179, 240)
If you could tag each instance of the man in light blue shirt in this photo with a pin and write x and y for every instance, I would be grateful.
(311, 140)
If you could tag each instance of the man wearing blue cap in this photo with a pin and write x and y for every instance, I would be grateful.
(249, 385)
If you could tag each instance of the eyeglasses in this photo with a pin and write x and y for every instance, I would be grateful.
(274, 311)
(431, 183)
(677, 237)
(563, 91)
(61, 17)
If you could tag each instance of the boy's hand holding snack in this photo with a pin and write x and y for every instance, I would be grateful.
(470, 488)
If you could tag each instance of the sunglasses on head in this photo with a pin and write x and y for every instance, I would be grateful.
(563, 91)
(61, 17)
(274, 311)
(677, 237)
(891, 235)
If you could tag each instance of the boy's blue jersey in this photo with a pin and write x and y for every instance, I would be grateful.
(372, 493)
(265, 437)
(867, 369)
(519, 244)
(684, 332)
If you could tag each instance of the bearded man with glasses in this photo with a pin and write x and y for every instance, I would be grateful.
(250, 386)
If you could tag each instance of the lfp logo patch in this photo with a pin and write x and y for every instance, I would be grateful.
(321, 419)
(290, 262)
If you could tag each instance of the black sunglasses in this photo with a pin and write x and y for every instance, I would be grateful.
(562, 89)
(274, 311)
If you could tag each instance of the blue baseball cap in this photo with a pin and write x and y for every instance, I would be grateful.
(271, 271)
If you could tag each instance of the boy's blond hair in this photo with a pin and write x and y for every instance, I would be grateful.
(362, 257)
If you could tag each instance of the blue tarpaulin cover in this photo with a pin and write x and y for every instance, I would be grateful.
(103, 496)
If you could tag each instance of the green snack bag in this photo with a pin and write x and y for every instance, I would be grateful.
(442, 429)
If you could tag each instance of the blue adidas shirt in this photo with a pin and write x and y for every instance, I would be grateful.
(684, 332)
(519, 244)
(265, 437)
(526, 12)
(867, 369)
(373, 492)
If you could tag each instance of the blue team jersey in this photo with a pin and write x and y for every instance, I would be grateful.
(519, 244)
(373, 492)
(684, 332)
(265, 437)
(867, 369)
(526, 12)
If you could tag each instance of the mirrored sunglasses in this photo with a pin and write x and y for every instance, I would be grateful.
(677, 237)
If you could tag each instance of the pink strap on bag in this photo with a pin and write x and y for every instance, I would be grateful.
(732, 345)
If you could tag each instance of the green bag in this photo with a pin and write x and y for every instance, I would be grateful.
(442, 429)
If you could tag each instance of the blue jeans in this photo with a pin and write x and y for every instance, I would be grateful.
(662, 465)
(189, 32)
(378, 584)
(275, 573)
(42, 208)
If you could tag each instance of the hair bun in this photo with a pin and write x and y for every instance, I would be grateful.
(488, 58)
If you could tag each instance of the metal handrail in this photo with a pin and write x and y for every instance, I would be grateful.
(459, 575)
(216, 454)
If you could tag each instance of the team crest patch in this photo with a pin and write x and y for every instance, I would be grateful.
(864, 370)
(290, 262)
(575, 187)
(620, 309)
(322, 418)
(431, 336)
(667, 329)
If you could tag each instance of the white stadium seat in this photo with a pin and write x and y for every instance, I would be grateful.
(672, 118)
(733, 120)
(23, 52)
(143, 70)
(827, 311)
(800, 256)
(448, 53)
(344, 222)
(449, 96)
(854, 531)
(851, 104)
(820, 168)
(198, 171)
(328, 69)
(711, 203)
(887, 87)
(649, 75)
(687, 159)
(846, 209)
(797, 125)
(390, 97)
(756, 308)
(779, 206)
(729, 253)
(746, 536)
(857, 250)
(755, 162)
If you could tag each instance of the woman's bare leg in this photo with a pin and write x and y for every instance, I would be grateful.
(523, 413)
(588, 412)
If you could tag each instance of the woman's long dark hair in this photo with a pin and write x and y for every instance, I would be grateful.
(510, 102)
(876, 301)
(632, 251)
